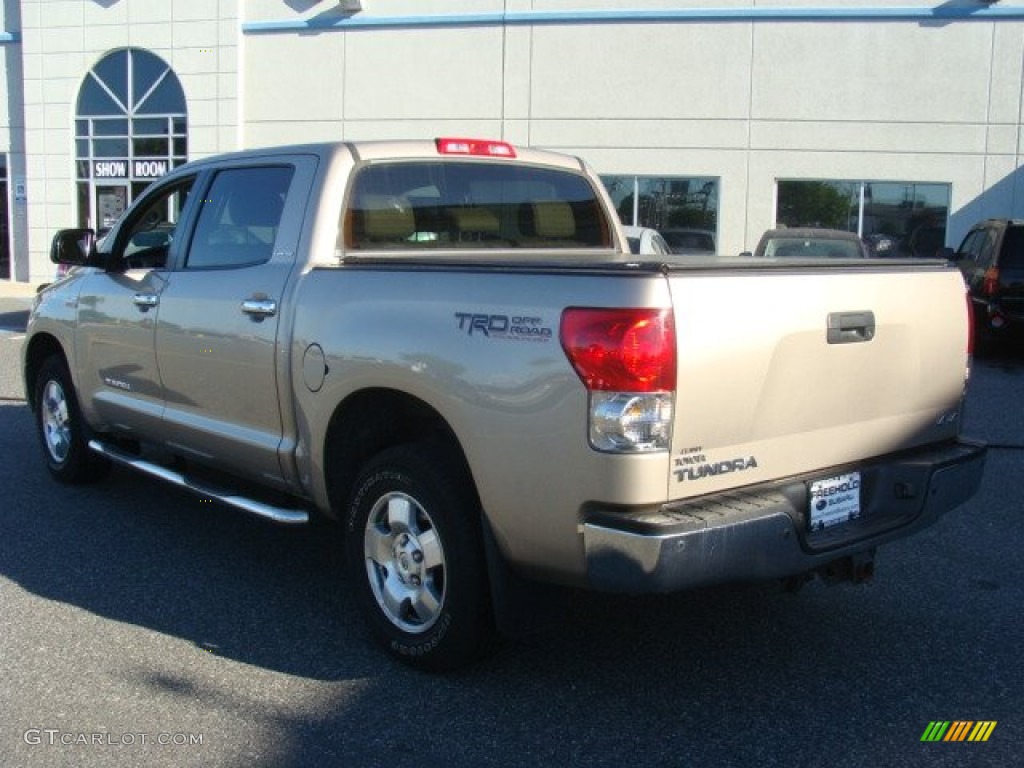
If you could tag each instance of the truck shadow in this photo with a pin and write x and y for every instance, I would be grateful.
(136, 551)
(14, 321)
(1004, 354)
(723, 676)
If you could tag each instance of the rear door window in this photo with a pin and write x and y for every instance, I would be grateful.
(472, 205)
(239, 218)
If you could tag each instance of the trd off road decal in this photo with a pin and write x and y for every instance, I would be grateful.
(517, 327)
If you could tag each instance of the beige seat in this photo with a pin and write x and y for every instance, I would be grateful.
(547, 220)
(382, 222)
(388, 224)
(473, 224)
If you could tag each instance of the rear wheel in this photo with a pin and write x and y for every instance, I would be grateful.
(62, 431)
(414, 554)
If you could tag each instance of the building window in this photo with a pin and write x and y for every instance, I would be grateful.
(896, 218)
(684, 209)
(130, 129)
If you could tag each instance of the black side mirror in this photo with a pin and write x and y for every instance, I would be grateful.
(948, 254)
(74, 247)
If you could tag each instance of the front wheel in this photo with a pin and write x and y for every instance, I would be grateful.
(62, 430)
(415, 557)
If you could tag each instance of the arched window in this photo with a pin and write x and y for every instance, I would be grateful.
(130, 128)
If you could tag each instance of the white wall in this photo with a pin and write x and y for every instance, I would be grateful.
(748, 101)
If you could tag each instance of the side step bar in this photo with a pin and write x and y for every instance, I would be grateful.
(258, 508)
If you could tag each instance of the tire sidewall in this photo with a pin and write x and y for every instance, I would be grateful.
(456, 635)
(75, 466)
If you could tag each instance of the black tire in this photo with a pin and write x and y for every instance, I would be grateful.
(415, 557)
(63, 433)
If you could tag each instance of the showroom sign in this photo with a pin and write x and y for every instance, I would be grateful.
(119, 169)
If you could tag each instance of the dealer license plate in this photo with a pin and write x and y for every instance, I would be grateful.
(834, 501)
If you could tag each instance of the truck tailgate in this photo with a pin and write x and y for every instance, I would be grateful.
(790, 370)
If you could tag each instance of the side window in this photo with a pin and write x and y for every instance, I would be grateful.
(971, 245)
(239, 217)
(147, 235)
(987, 247)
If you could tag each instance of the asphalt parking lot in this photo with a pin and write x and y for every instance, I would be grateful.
(140, 625)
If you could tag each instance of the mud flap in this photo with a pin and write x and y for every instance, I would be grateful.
(521, 606)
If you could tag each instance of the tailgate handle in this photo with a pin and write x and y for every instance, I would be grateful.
(850, 327)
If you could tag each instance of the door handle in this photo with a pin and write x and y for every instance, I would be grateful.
(145, 301)
(851, 327)
(259, 308)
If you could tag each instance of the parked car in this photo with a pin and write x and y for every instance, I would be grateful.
(810, 243)
(991, 257)
(645, 241)
(927, 241)
(682, 240)
(882, 245)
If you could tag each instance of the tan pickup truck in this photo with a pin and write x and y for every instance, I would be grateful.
(446, 346)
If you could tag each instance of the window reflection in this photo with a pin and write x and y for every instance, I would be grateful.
(683, 209)
(894, 218)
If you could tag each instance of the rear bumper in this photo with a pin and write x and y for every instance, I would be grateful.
(999, 316)
(761, 533)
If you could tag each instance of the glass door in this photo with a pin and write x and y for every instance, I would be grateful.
(109, 202)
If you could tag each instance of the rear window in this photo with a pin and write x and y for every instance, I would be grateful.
(471, 205)
(810, 247)
(690, 241)
(1013, 249)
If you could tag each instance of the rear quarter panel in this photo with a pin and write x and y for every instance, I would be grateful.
(514, 402)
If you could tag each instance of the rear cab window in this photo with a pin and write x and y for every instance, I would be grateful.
(410, 206)
(1013, 248)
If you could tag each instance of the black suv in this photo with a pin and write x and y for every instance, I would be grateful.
(991, 258)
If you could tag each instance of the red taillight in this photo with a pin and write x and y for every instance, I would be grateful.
(990, 282)
(621, 350)
(479, 147)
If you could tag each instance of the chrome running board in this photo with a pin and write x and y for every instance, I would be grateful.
(253, 507)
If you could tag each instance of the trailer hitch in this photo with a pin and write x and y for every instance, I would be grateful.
(857, 569)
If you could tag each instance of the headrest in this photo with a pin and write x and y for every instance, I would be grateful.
(390, 223)
(475, 220)
(553, 219)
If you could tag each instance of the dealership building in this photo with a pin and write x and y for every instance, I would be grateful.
(896, 119)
